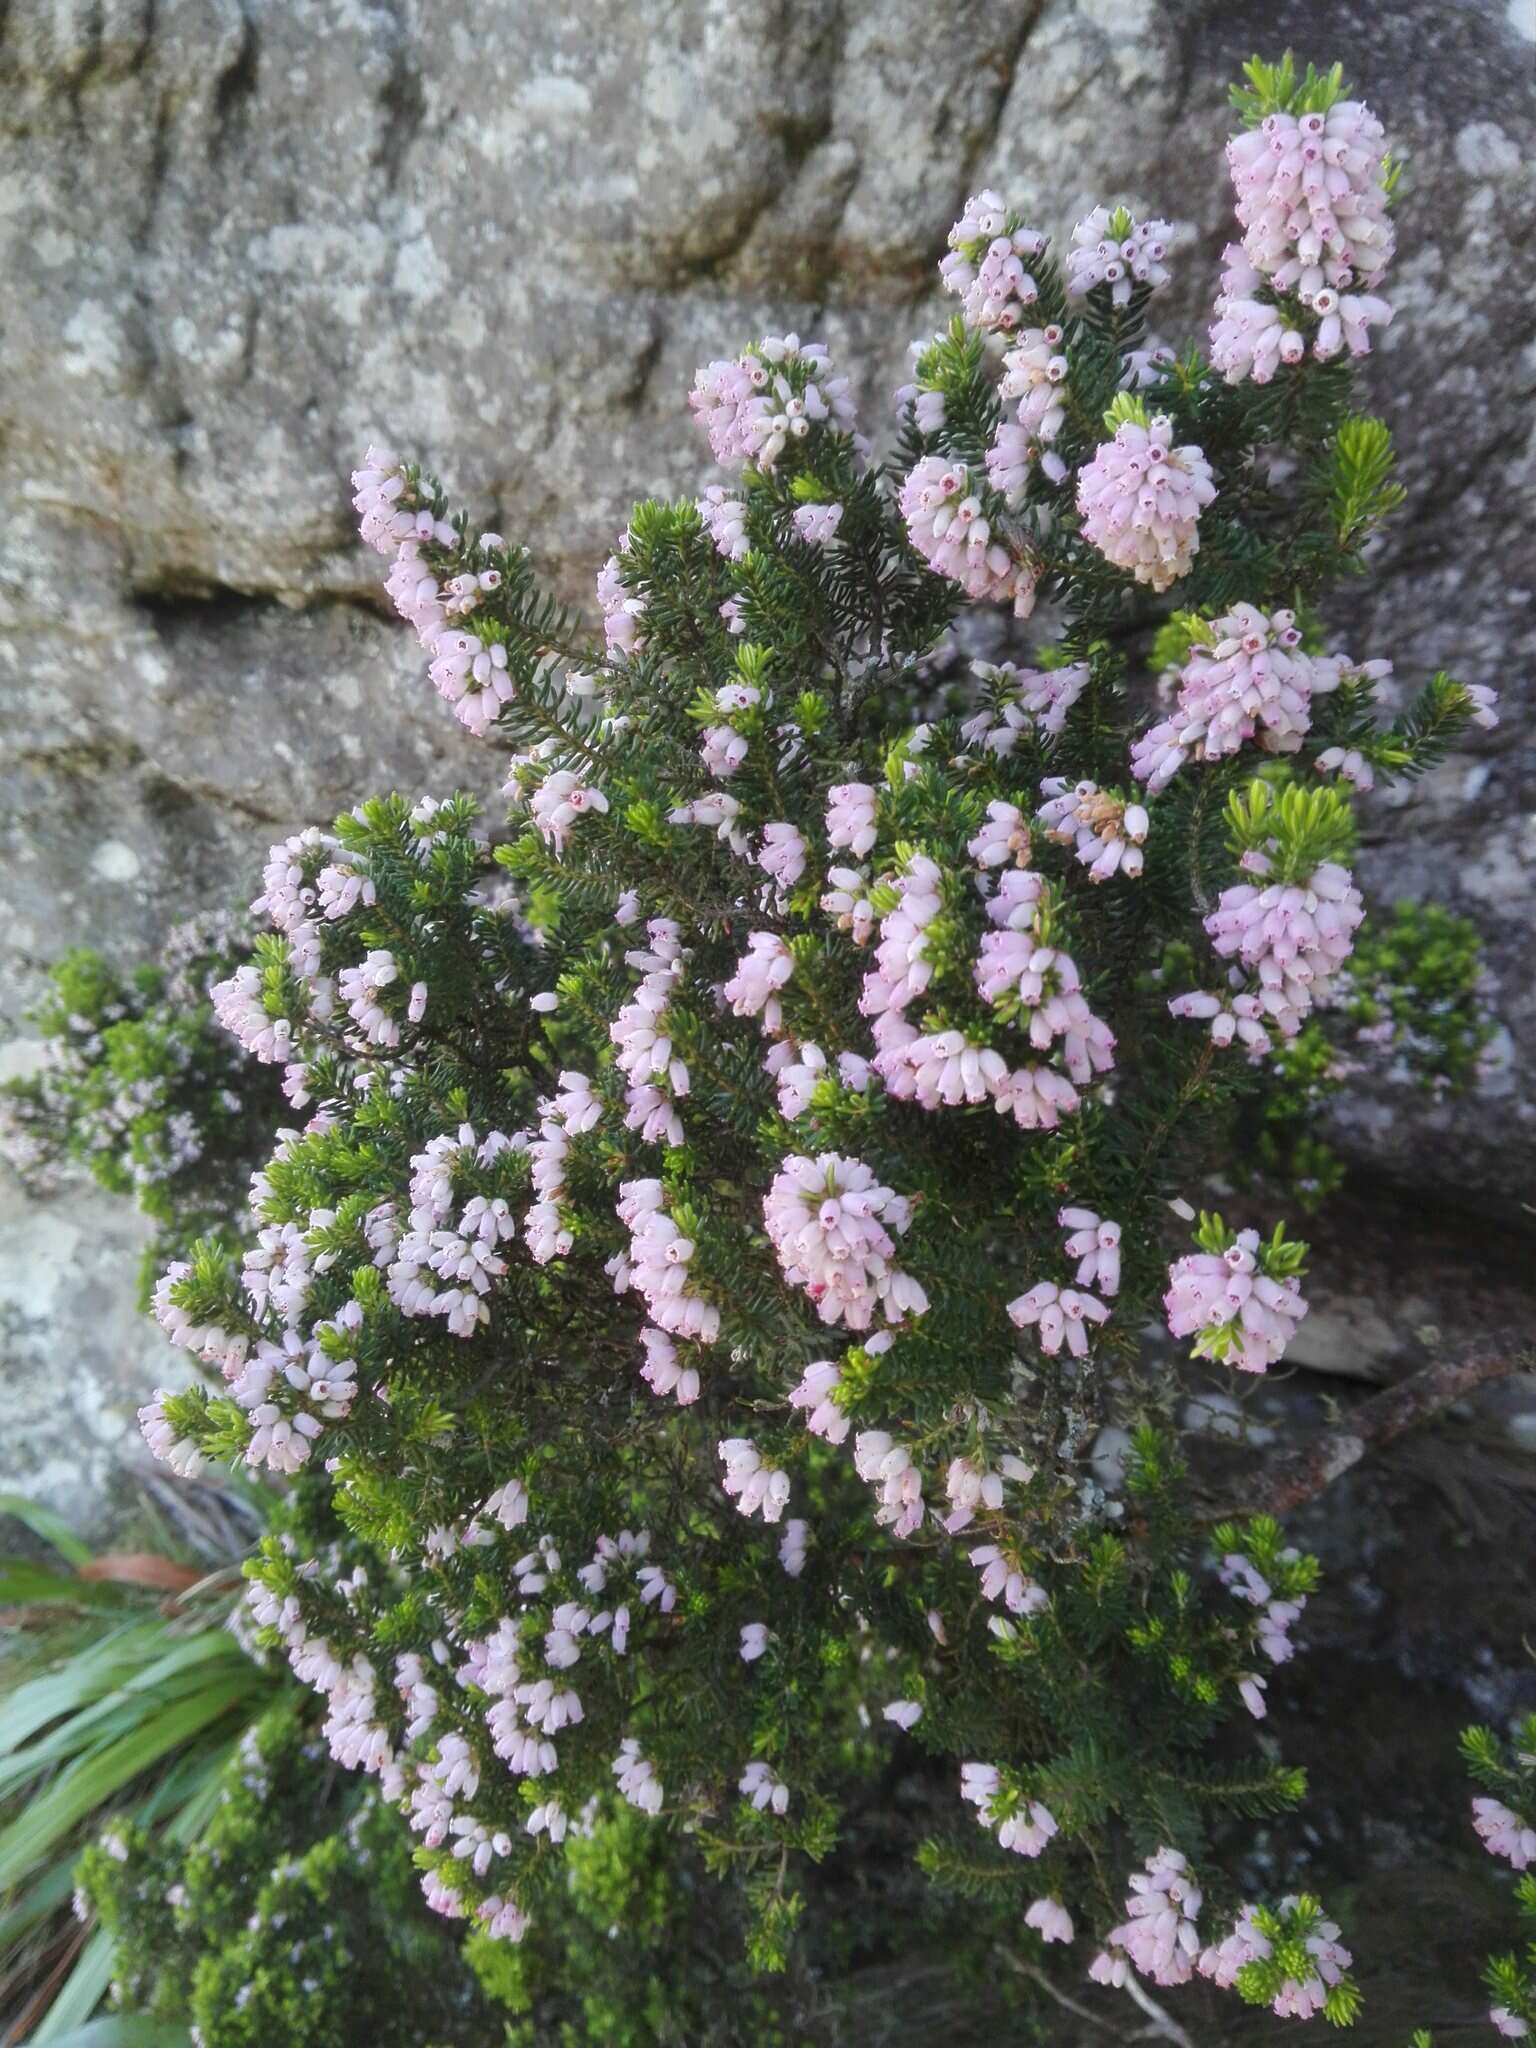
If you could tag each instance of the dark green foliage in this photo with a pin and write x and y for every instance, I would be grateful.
(143, 1088)
(294, 1917)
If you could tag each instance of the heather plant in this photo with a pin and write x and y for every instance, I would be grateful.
(140, 1086)
(732, 1192)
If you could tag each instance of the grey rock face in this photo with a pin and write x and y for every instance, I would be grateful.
(243, 239)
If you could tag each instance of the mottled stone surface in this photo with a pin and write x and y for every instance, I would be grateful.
(241, 240)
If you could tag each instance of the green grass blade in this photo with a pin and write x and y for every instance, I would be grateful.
(80, 1993)
(183, 1669)
(121, 2031)
(33, 1585)
(37, 1902)
(85, 1675)
(92, 1780)
(52, 1528)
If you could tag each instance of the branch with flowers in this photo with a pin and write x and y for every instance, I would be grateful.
(730, 1194)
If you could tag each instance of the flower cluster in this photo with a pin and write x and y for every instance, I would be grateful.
(989, 248)
(1141, 498)
(1113, 249)
(1251, 680)
(763, 401)
(1234, 1308)
(1311, 199)
(834, 1229)
(945, 507)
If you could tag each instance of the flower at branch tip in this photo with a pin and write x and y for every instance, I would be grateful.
(1239, 1017)
(888, 1466)
(1349, 764)
(817, 1385)
(1503, 1833)
(989, 247)
(754, 1641)
(560, 801)
(180, 1453)
(1025, 700)
(1050, 1919)
(793, 1545)
(818, 524)
(1159, 1936)
(622, 613)
(725, 519)
(1002, 1579)
(1311, 199)
(1291, 937)
(756, 1488)
(764, 1787)
(834, 1229)
(782, 854)
(948, 524)
(851, 817)
(765, 967)
(1099, 257)
(903, 1714)
(1095, 1240)
(1060, 1315)
(1026, 1830)
(663, 1373)
(1484, 705)
(637, 1780)
(1141, 499)
(1106, 831)
(1003, 839)
(1233, 1310)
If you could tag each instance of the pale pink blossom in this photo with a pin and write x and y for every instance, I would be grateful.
(637, 1779)
(1003, 1579)
(834, 1228)
(1141, 499)
(560, 801)
(1159, 1936)
(1503, 1833)
(817, 1386)
(725, 519)
(1003, 839)
(1106, 831)
(764, 1787)
(1097, 257)
(756, 1488)
(1095, 1241)
(1232, 1309)
(1058, 1315)
(817, 524)
(753, 990)
(948, 524)
(851, 817)
(782, 854)
(1026, 1830)
(1291, 937)
(664, 1372)
(889, 1468)
(989, 248)
(1050, 1919)
(1022, 700)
